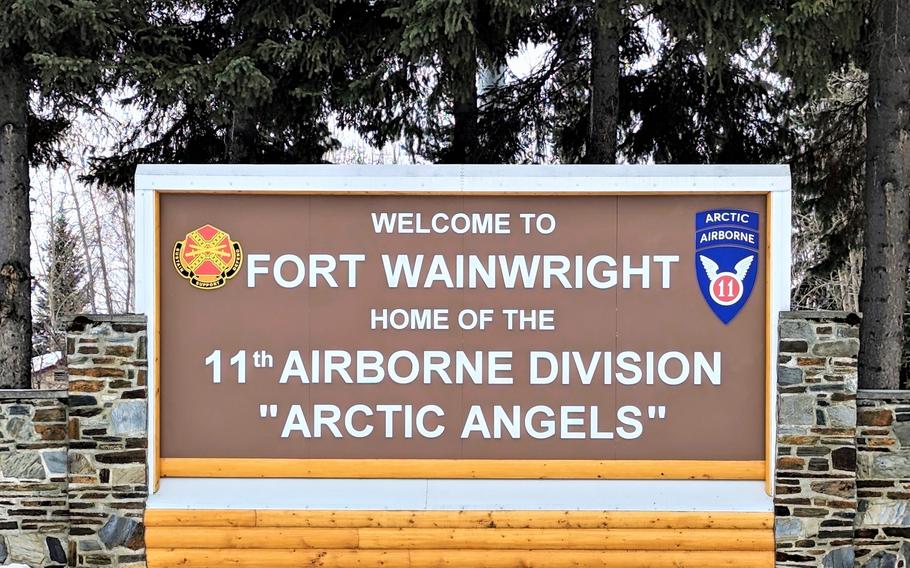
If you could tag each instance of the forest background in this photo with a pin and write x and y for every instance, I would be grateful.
(91, 88)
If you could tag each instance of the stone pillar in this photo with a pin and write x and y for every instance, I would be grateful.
(882, 532)
(815, 486)
(106, 361)
(33, 499)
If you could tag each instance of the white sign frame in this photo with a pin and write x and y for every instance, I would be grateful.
(687, 495)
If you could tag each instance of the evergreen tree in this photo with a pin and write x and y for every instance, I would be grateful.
(241, 81)
(560, 111)
(742, 53)
(58, 51)
(424, 83)
(670, 101)
(681, 110)
(828, 164)
(63, 293)
(673, 103)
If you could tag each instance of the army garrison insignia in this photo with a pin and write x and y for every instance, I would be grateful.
(207, 257)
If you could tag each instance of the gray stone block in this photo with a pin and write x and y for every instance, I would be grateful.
(883, 513)
(27, 548)
(894, 465)
(797, 409)
(55, 550)
(902, 431)
(895, 396)
(789, 375)
(55, 461)
(796, 329)
(839, 558)
(21, 429)
(119, 531)
(23, 464)
(845, 331)
(128, 418)
(882, 559)
(89, 546)
(850, 383)
(788, 527)
(842, 416)
(837, 348)
(80, 464)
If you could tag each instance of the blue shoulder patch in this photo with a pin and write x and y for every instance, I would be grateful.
(726, 258)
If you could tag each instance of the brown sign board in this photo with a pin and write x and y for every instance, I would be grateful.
(461, 327)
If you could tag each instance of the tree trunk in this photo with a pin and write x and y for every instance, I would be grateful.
(15, 278)
(126, 221)
(464, 137)
(886, 197)
(242, 144)
(606, 26)
(86, 250)
(108, 298)
(464, 70)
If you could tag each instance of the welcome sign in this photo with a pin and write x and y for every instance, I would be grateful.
(333, 331)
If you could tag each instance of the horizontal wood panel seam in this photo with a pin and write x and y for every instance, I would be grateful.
(464, 539)
(458, 519)
(260, 558)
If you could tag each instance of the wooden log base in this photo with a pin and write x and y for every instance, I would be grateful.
(259, 558)
(551, 539)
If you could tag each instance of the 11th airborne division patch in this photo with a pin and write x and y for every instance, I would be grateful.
(726, 250)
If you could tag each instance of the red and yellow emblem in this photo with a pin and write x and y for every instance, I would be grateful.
(207, 257)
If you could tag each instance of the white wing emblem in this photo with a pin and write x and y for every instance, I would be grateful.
(742, 267)
(711, 267)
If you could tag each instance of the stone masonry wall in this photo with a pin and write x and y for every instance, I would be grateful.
(842, 494)
(815, 488)
(106, 359)
(73, 463)
(34, 519)
(882, 536)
